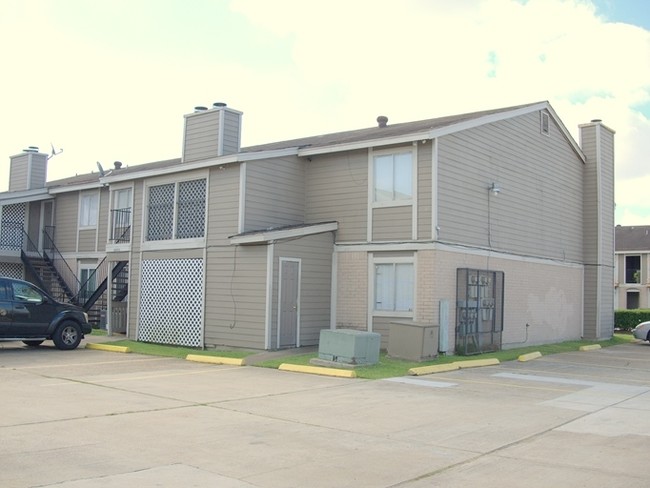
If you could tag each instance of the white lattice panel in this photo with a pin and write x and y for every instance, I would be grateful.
(11, 270)
(171, 302)
(11, 226)
(161, 212)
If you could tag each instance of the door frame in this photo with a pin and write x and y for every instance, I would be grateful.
(279, 320)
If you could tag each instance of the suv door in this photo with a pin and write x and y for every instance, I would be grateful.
(32, 311)
(6, 309)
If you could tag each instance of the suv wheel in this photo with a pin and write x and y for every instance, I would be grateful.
(67, 335)
(33, 343)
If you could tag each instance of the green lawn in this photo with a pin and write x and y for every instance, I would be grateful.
(386, 368)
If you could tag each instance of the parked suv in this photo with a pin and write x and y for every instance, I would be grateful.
(30, 315)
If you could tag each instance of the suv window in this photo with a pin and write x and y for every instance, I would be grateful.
(26, 293)
(4, 295)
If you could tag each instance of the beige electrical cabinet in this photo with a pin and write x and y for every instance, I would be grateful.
(413, 340)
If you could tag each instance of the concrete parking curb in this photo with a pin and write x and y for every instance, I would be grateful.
(296, 368)
(530, 356)
(443, 368)
(590, 347)
(216, 359)
(108, 347)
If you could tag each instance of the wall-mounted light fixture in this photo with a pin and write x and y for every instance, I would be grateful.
(495, 189)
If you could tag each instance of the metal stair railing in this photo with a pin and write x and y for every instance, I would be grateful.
(51, 254)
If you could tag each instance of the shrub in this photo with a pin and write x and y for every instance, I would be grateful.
(628, 319)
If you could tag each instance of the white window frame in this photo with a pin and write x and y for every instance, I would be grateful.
(373, 154)
(88, 217)
(374, 261)
(89, 268)
(173, 243)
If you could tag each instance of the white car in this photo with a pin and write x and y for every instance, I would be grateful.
(642, 331)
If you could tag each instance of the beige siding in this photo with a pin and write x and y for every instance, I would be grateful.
(275, 193)
(103, 219)
(315, 253)
(424, 192)
(201, 136)
(392, 223)
(231, 131)
(337, 189)
(18, 173)
(539, 209)
(223, 204)
(87, 240)
(38, 171)
(235, 305)
(67, 210)
(34, 222)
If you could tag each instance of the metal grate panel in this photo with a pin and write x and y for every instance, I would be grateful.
(11, 226)
(191, 209)
(160, 224)
(171, 302)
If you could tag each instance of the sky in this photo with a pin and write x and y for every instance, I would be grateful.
(110, 80)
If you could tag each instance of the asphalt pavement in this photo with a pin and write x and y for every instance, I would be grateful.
(89, 418)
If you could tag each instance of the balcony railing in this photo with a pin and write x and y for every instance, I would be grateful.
(120, 225)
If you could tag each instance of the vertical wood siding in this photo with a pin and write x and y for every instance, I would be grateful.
(275, 193)
(337, 189)
(539, 210)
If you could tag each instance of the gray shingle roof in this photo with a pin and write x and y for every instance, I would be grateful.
(633, 238)
(351, 136)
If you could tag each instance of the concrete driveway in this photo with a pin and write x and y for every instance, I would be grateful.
(88, 418)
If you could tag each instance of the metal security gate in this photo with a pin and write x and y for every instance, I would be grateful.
(479, 310)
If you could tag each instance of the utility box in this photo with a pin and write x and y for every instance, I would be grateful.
(349, 346)
(413, 340)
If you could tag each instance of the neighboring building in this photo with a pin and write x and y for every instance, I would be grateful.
(632, 276)
(496, 226)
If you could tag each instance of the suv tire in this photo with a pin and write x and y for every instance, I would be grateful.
(67, 335)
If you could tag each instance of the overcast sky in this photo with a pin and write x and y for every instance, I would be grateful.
(109, 80)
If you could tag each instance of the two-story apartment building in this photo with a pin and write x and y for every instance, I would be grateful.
(495, 225)
(632, 276)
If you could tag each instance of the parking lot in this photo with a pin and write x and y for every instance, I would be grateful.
(88, 418)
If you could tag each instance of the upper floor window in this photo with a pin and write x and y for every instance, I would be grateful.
(88, 210)
(393, 178)
(632, 269)
(176, 210)
(121, 216)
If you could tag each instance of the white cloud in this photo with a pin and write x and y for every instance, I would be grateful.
(350, 61)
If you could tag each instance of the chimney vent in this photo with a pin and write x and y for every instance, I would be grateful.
(219, 105)
(200, 109)
(382, 121)
(117, 164)
(31, 149)
(596, 120)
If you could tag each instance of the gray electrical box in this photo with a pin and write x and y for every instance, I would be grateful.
(413, 340)
(349, 346)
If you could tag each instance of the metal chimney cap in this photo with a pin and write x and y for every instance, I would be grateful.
(219, 105)
(382, 121)
(117, 164)
(200, 109)
(596, 120)
(31, 149)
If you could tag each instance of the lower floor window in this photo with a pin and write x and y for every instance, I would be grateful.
(394, 287)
